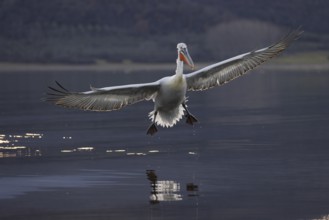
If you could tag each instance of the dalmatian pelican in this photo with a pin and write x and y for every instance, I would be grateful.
(169, 93)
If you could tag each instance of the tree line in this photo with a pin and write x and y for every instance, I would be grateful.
(86, 31)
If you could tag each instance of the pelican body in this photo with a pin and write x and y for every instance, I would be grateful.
(169, 93)
(169, 102)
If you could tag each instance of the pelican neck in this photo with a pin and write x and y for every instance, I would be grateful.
(180, 67)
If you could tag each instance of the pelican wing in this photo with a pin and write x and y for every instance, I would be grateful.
(227, 70)
(103, 99)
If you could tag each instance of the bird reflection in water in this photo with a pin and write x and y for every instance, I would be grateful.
(192, 189)
(163, 190)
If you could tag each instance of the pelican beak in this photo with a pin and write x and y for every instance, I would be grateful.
(185, 56)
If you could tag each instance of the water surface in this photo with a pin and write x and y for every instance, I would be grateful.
(259, 151)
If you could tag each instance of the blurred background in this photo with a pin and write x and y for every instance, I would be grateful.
(260, 148)
(99, 31)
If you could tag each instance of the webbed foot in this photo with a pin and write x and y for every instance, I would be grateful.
(152, 130)
(190, 119)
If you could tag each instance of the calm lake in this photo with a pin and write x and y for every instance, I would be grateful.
(259, 151)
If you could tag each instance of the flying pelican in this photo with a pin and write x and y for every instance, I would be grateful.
(169, 93)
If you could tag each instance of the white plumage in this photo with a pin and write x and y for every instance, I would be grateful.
(169, 93)
(168, 118)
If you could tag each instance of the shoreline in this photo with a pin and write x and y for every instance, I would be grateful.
(131, 67)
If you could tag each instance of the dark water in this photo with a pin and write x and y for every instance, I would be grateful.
(259, 151)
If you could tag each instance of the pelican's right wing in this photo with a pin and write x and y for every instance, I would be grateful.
(227, 70)
(103, 99)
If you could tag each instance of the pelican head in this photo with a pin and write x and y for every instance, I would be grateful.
(184, 56)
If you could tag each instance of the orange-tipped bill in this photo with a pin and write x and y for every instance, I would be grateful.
(185, 57)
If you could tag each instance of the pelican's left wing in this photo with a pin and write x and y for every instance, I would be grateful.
(103, 99)
(227, 70)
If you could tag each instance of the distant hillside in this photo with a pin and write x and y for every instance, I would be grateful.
(88, 31)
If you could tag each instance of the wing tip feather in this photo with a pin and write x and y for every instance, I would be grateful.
(293, 35)
(55, 93)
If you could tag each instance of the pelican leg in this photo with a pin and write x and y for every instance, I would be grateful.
(153, 129)
(190, 119)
